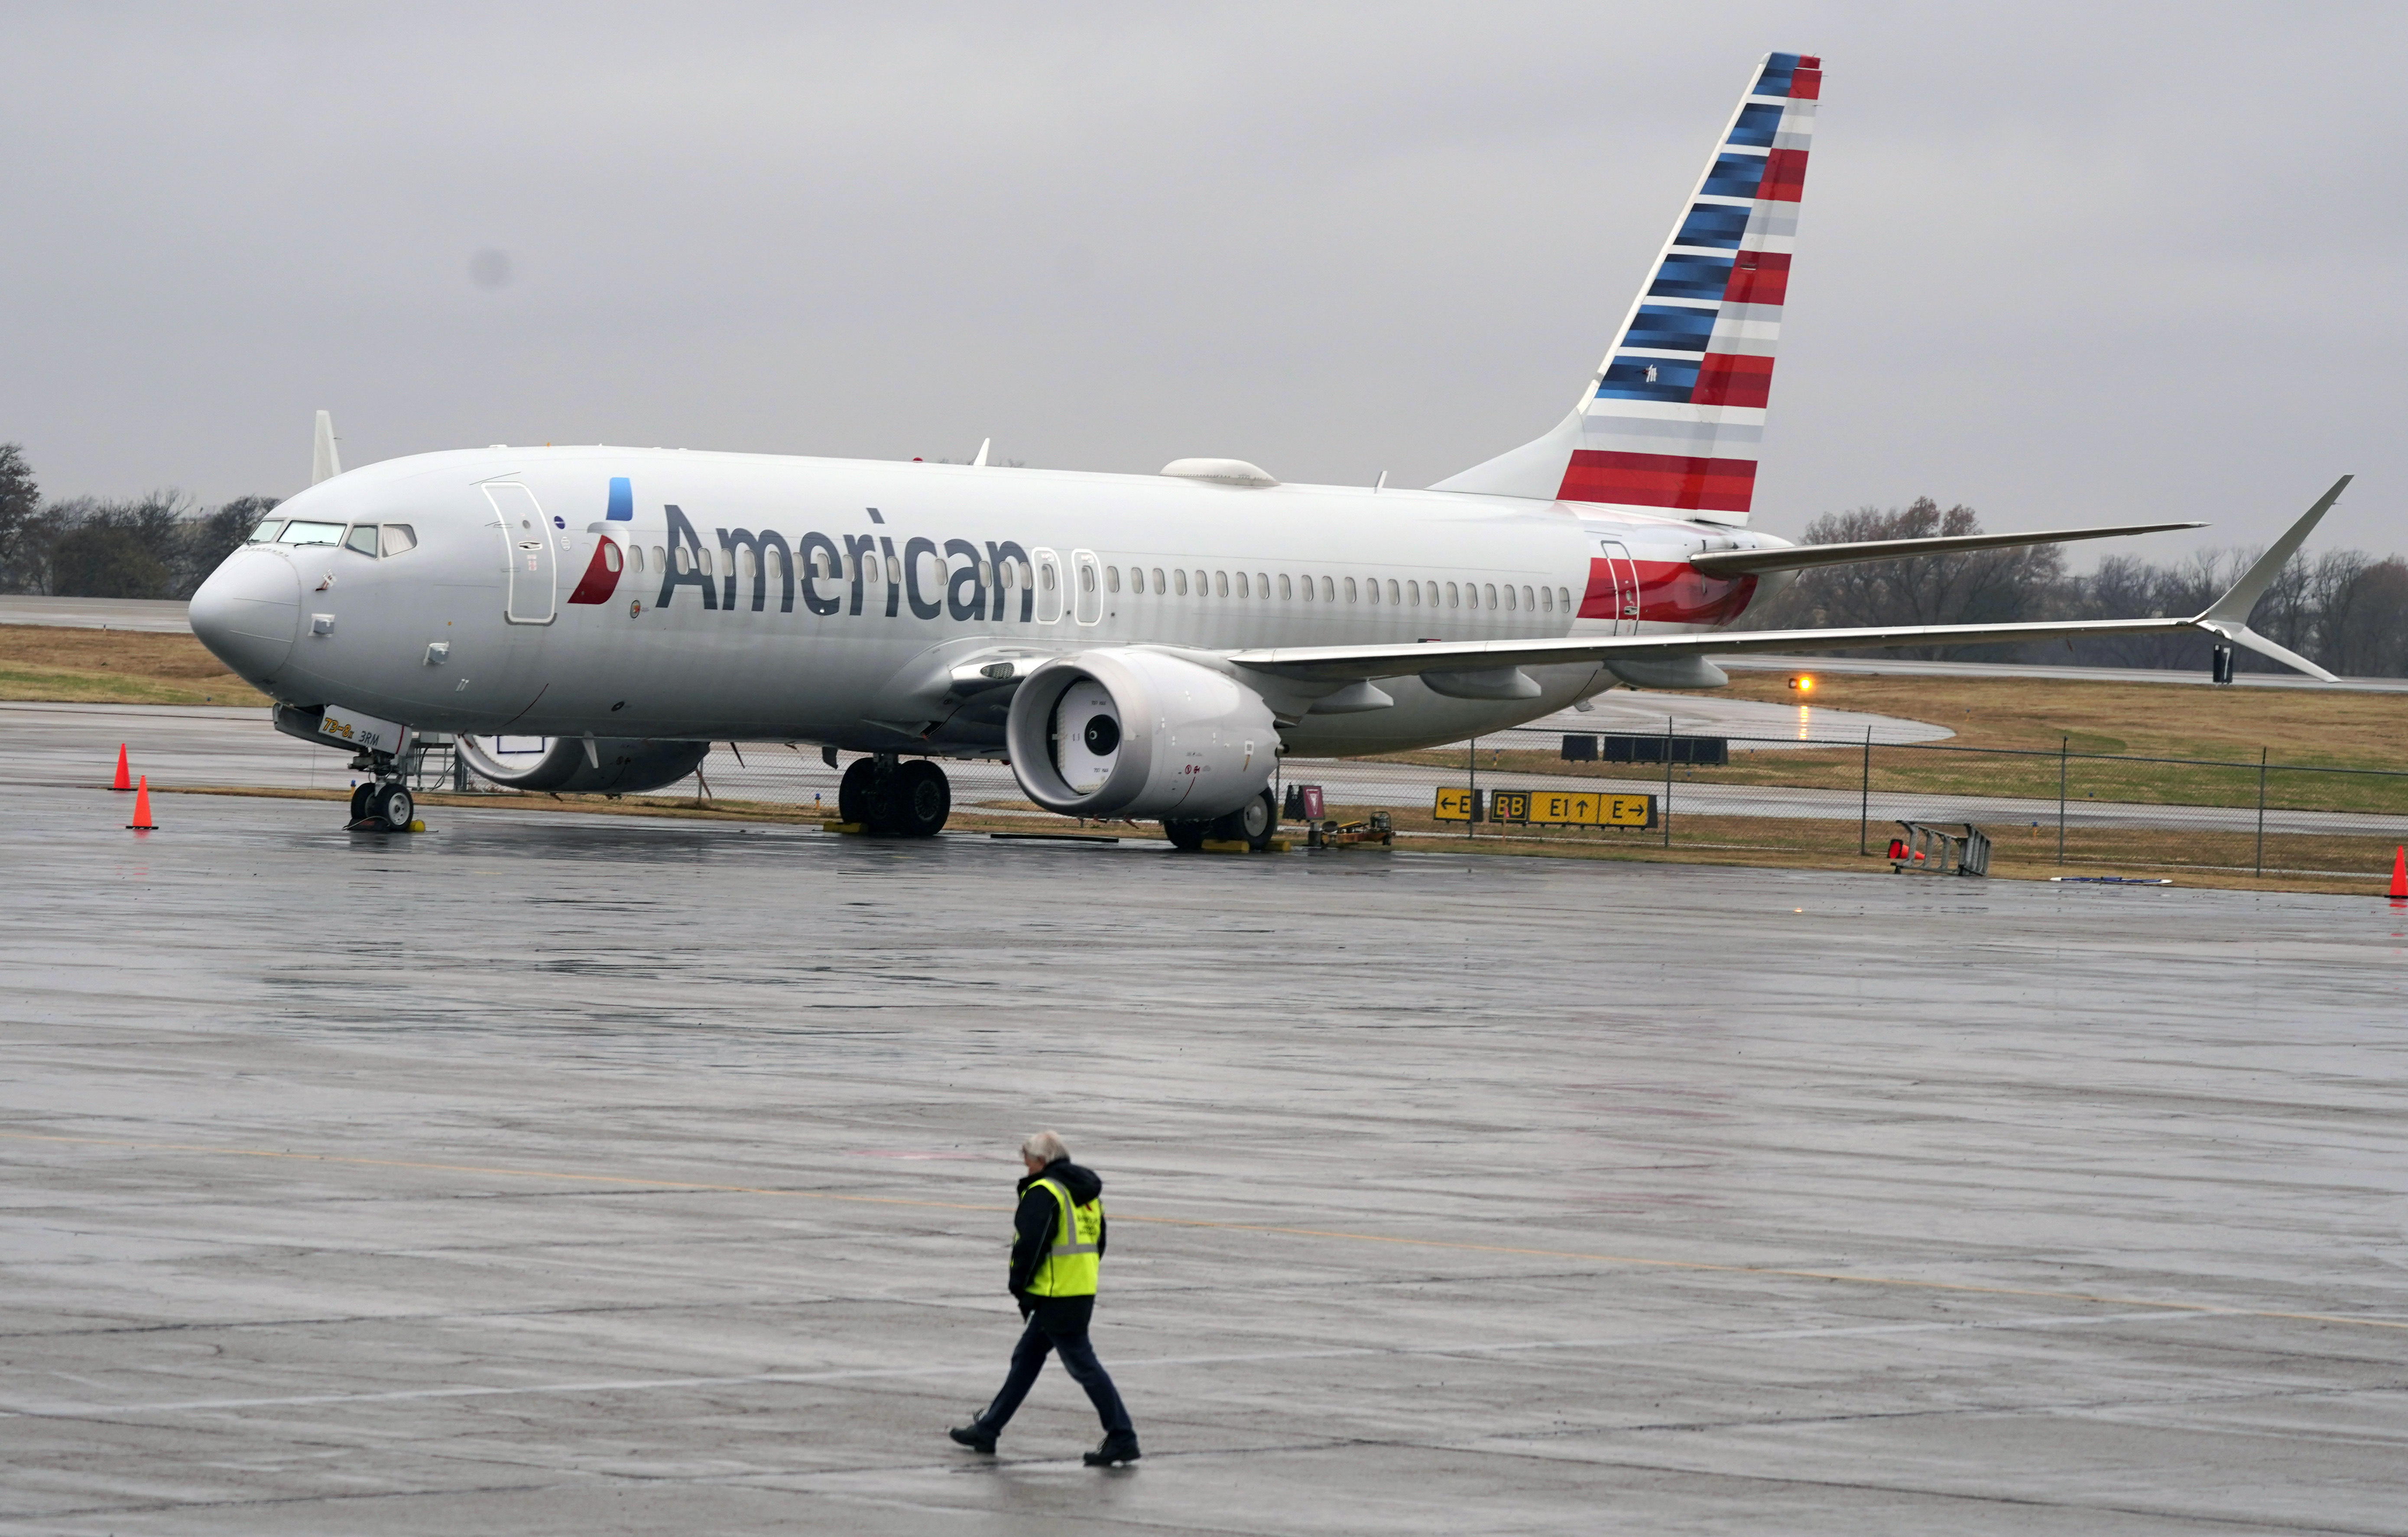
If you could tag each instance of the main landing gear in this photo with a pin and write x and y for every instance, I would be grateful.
(889, 799)
(384, 804)
(1252, 823)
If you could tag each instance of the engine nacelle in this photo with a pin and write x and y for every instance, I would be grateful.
(1126, 731)
(626, 764)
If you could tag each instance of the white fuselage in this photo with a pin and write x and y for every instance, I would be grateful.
(501, 619)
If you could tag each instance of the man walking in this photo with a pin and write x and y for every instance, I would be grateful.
(1057, 1251)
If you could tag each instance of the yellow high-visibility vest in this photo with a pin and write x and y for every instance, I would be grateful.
(1072, 1265)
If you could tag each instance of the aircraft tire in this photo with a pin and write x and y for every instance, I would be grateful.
(392, 807)
(916, 801)
(360, 798)
(853, 795)
(1186, 836)
(1253, 824)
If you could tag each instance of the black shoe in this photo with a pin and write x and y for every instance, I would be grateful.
(1114, 1449)
(977, 1437)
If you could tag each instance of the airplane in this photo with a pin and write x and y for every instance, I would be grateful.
(1133, 646)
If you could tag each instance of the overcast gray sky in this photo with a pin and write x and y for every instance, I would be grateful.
(2065, 263)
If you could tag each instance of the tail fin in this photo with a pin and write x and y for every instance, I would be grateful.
(326, 463)
(1674, 417)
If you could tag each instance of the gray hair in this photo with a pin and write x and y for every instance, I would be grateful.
(1045, 1148)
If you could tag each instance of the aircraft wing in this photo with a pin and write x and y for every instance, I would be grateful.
(1800, 557)
(1341, 663)
(2227, 619)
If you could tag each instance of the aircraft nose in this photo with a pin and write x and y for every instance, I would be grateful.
(248, 612)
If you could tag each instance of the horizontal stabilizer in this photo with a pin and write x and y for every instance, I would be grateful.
(1800, 557)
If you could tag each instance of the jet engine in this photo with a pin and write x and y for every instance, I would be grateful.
(1126, 731)
(617, 766)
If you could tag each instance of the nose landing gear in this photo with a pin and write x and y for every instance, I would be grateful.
(382, 805)
(889, 799)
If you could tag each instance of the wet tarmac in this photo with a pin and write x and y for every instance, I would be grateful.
(545, 1173)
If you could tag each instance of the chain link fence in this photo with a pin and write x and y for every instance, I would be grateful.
(1774, 799)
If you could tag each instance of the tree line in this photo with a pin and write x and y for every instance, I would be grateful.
(161, 545)
(2345, 609)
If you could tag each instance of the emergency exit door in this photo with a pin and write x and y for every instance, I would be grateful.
(1622, 604)
(526, 537)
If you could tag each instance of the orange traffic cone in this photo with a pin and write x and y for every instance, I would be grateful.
(125, 780)
(142, 822)
(2399, 873)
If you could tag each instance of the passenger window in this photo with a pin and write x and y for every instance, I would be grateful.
(1489, 591)
(1415, 589)
(1547, 599)
(1372, 589)
(1452, 599)
(1111, 578)
(986, 574)
(1526, 597)
(1433, 594)
(297, 532)
(1263, 583)
(266, 533)
(1159, 585)
(894, 571)
(1220, 584)
(1392, 592)
(610, 557)
(1182, 575)
(706, 565)
(1048, 579)
(1308, 589)
(1241, 584)
(1509, 596)
(1203, 585)
(1286, 589)
(1328, 590)
(1086, 579)
(636, 559)
(1564, 596)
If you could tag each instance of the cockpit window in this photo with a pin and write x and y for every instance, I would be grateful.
(399, 538)
(299, 532)
(266, 533)
(364, 540)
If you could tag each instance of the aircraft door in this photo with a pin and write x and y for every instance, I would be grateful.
(526, 538)
(1049, 586)
(1088, 595)
(1625, 577)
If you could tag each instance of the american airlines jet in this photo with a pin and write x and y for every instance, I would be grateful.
(1138, 646)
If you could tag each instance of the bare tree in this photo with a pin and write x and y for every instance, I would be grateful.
(1975, 587)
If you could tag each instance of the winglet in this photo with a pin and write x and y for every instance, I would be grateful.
(2228, 616)
(2235, 605)
(325, 462)
(984, 444)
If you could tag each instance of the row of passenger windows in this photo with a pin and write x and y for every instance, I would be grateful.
(1392, 591)
(368, 538)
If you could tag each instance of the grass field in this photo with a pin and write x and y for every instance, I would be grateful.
(2009, 731)
(114, 667)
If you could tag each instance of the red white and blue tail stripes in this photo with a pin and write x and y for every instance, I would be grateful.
(1676, 420)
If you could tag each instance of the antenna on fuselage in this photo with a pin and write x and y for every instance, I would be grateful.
(325, 462)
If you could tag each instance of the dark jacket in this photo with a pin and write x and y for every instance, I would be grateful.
(1035, 1225)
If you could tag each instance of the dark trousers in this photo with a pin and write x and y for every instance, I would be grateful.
(1060, 1324)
